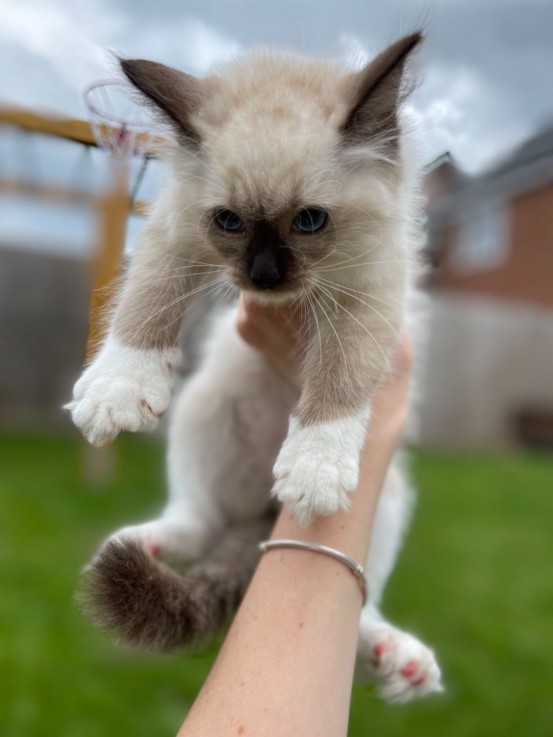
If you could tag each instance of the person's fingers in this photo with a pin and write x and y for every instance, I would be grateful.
(402, 362)
(245, 324)
(271, 329)
(390, 403)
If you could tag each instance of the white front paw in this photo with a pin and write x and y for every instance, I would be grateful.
(123, 389)
(318, 466)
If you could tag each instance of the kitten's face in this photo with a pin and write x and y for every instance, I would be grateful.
(274, 207)
(279, 153)
(271, 256)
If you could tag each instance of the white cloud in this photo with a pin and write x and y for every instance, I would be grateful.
(54, 49)
(50, 32)
(460, 112)
(185, 42)
(51, 49)
(437, 113)
(354, 51)
(205, 46)
(52, 52)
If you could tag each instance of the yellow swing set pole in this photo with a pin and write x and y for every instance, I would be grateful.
(113, 211)
(99, 464)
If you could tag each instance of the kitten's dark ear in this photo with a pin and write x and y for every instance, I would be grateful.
(173, 94)
(375, 94)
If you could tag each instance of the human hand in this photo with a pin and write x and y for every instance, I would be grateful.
(390, 403)
(275, 331)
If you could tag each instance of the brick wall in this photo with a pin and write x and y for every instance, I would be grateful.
(527, 274)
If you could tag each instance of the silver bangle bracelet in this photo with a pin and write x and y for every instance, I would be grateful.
(354, 567)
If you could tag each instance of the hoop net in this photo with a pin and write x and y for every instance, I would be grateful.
(119, 125)
(124, 129)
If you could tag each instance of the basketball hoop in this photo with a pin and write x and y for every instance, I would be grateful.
(124, 130)
(119, 125)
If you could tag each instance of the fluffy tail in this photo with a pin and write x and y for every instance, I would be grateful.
(148, 605)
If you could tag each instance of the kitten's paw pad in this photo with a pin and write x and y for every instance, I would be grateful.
(318, 466)
(140, 534)
(123, 389)
(164, 539)
(150, 536)
(402, 666)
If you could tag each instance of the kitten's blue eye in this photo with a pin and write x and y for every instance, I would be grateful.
(310, 220)
(229, 221)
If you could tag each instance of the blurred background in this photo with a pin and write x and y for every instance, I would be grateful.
(474, 580)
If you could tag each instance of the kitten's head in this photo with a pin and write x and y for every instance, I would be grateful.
(291, 160)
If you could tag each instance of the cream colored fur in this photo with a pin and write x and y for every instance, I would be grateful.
(265, 137)
(271, 143)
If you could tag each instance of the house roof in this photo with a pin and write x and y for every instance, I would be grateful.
(539, 145)
(528, 167)
(445, 158)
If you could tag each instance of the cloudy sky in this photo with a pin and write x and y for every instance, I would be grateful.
(486, 67)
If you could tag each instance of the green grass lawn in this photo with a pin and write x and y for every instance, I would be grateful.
(475, 581)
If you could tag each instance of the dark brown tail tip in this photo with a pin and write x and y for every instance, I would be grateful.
(146, 604)
(140, 601)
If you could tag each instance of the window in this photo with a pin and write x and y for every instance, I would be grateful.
(483, 238)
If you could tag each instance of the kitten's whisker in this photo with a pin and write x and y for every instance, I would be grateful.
(205, 180)
(180, 213)
(332, 219)
(304, 324)
(346, 261)
(319, 301)
(201, 161)
(323, 258)
(314, 311)
(230, 290)
(333, 285)
(211, 221)
(186, 270)
(366, 263)
(187, 275)
(341, 306)
(187, 307)
(182, 297)
(363, 254)
(199, 263)
(371, 307)
(311, 302)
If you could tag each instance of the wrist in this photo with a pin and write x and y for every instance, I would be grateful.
(385, 432)
(356, 569)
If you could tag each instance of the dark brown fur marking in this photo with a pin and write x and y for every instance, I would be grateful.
(376, 92)
(148, 605)
(267, 256)
(175, 94)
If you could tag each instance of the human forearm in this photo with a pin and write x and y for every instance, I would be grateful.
(286, 667)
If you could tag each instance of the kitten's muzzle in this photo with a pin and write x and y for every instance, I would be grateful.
(266, 269)
(267, 256)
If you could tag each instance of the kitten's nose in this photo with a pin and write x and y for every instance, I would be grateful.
(266, 269)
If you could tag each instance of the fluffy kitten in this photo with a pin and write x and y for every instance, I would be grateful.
(290, 179)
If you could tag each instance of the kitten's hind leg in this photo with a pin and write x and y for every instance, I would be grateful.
(149, 605)
(402, 667)
(174, 539)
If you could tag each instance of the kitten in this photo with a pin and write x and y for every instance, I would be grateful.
(290, 179)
